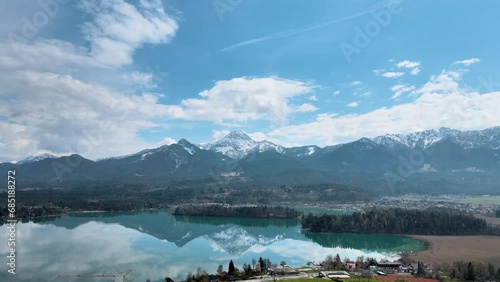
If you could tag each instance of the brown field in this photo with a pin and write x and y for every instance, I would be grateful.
(459, 248)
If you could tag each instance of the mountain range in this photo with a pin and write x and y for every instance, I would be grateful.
(443, 161)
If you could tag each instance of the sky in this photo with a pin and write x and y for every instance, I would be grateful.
(110, 78)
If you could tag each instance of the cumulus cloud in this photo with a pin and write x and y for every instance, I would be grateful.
(335, 93)
(118, 28)
(167, 141)
(440, 103)
(60, 114)
(353, 104)
(467, 62)
(408, 64)
(242, 99)
(445, 82)
(392, 74)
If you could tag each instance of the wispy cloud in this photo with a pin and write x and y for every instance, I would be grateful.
(467, 62)
(393, 74)
(400, 89)
(292, 32)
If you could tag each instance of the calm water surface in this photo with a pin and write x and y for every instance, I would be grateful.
(158, 244)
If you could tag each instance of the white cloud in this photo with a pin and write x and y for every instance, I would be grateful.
(335, 93)
(353, 104)
(145, 80)
(219, 134)
(444, 105)
(408, 64)
(258, 136)
(446, 82)
(313, 98)
(115, 31)
(61, 114)
(392, 74)
(415, 71)
(167, 141)
(242, 99)
(468, 62)
(399, 89)
(118, 28)
(306, 107)
(359, 89)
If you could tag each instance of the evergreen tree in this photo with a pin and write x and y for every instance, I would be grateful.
(497, 276)
(491, 270)
(471, 276)
(230, 269)
(421, 269)
(220, 269)
(257, 267)
(337, 264)
(262, 264)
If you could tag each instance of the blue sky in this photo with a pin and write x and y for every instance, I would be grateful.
(111, 78)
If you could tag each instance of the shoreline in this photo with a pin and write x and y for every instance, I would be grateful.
(3, 220)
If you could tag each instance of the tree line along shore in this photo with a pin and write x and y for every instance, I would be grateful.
(374, 221)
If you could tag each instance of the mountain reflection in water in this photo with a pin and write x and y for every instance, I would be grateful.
(157, 244)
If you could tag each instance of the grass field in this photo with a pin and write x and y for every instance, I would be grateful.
(459, 248)
(483, 200)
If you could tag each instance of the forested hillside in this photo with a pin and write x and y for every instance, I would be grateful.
(244, 211)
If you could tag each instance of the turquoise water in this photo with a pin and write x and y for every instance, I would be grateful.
(157, 244)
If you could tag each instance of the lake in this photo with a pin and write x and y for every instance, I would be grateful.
(158, 244)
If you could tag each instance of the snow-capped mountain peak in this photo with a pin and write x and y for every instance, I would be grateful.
(237, 145)
(467, 139)
(265, 145)
(31, 158)
(188, 146)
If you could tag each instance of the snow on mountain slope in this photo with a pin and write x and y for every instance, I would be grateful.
(189, 147)
(237, 145)
(31, 158)
(489, 138)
